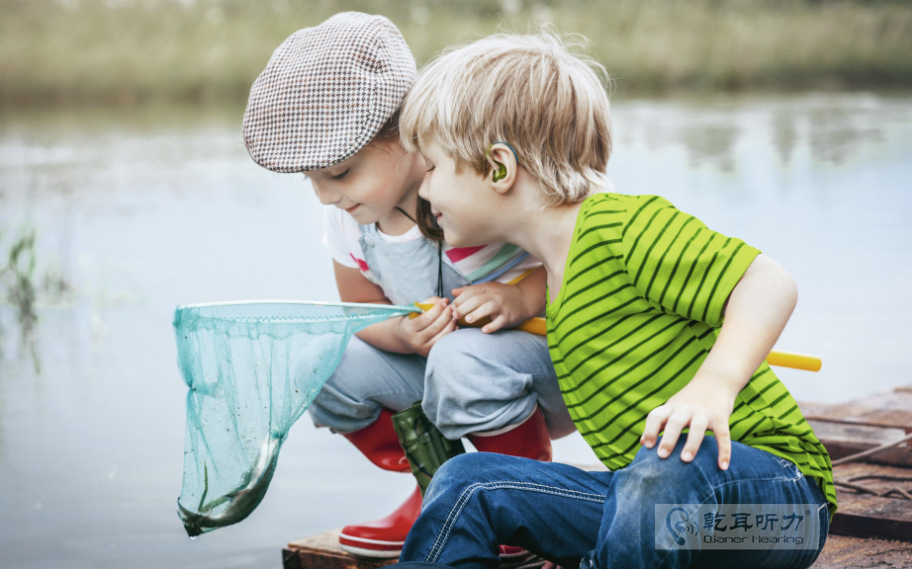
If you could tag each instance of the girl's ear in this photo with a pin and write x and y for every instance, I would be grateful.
(502, 161)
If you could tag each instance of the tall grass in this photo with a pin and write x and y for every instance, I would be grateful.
(124, 51)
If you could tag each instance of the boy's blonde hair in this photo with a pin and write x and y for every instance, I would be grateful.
(526, 90)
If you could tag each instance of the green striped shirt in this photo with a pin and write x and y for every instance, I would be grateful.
(639, 308)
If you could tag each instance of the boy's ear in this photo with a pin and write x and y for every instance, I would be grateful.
(503, 166)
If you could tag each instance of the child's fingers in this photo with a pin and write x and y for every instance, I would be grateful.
(673, 427)
(495, 324)
(481, 311)
(466, 305)
(441, 318)
(425, 337)
(430, 317)
(698, 425)
(723, 440)
(432, 313)
(655, 420)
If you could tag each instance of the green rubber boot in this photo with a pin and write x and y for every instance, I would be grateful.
(425, 447)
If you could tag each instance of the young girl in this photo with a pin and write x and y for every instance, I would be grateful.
(328, 104)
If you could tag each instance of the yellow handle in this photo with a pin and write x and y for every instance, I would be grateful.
(796, 361)
(539, 326)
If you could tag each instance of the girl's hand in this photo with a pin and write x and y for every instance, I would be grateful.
(699, 408)
(504, 305)
(422, 332)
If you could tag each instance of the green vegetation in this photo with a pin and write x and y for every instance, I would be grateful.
(127, 51)
(17, 276)
(21, 282)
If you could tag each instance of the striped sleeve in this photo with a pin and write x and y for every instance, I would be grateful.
(679, 264)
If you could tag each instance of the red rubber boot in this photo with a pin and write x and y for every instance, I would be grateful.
(529, 439)
(382, 538)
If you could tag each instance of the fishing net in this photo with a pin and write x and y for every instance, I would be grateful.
(252, 369)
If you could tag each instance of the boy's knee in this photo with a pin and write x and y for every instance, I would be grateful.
(649, 473)
(462, 471)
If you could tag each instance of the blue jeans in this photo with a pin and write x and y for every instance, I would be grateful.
(606, 519)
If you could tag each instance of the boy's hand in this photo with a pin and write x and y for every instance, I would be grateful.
(424, 330)
(504, 305)
(700, 410)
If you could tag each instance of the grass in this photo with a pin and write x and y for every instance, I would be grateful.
(129, 51)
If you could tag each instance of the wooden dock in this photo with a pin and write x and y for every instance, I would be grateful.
(873, 527)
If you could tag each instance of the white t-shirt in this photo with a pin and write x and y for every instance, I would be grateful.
(501, 262)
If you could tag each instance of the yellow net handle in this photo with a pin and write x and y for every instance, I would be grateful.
(775, 358)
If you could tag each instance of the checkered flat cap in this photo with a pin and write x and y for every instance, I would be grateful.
(326, 92)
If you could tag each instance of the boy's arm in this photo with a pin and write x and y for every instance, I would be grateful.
(755, 315)
(401, 335)
(505, 304)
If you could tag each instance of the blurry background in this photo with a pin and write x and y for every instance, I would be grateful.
(125, 190)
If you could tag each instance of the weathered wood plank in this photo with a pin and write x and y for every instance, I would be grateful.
(323, 552)
(863, 515)
(890, 409)
(844, 439)
(842, 552)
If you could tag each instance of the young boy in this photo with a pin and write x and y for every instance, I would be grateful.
(656, 326)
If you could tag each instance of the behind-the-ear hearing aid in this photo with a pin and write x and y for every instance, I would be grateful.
(501, 172)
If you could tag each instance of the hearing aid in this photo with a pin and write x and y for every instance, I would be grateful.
(501, 172)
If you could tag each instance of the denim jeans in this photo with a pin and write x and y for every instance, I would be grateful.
(600, 519)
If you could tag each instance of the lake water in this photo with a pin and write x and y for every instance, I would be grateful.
(137, 212)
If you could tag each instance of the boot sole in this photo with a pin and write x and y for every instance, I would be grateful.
(375, 549)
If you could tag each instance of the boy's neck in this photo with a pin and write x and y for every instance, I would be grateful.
(544, 232)
(553, 233)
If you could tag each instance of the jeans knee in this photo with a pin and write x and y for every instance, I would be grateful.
(650, 477)
(455, 475)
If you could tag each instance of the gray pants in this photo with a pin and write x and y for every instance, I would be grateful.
(470, 382)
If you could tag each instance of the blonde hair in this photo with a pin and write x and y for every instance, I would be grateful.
(526, 90)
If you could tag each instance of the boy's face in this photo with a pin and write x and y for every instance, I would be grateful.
(372, 183)
(461, 201)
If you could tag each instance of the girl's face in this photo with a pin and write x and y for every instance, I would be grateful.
(372, 183)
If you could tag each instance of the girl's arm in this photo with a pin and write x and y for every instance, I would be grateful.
(505, 304)
(401, 335)
(755, 315)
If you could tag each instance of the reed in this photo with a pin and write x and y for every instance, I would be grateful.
(126, 51)
(17, 279)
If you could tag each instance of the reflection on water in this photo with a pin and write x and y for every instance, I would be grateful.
(135, 213)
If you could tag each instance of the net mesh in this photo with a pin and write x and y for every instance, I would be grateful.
(252, 369)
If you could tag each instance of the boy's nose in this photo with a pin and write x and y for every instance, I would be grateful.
(423, 189)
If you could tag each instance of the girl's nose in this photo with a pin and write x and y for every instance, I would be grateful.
(325, 195)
